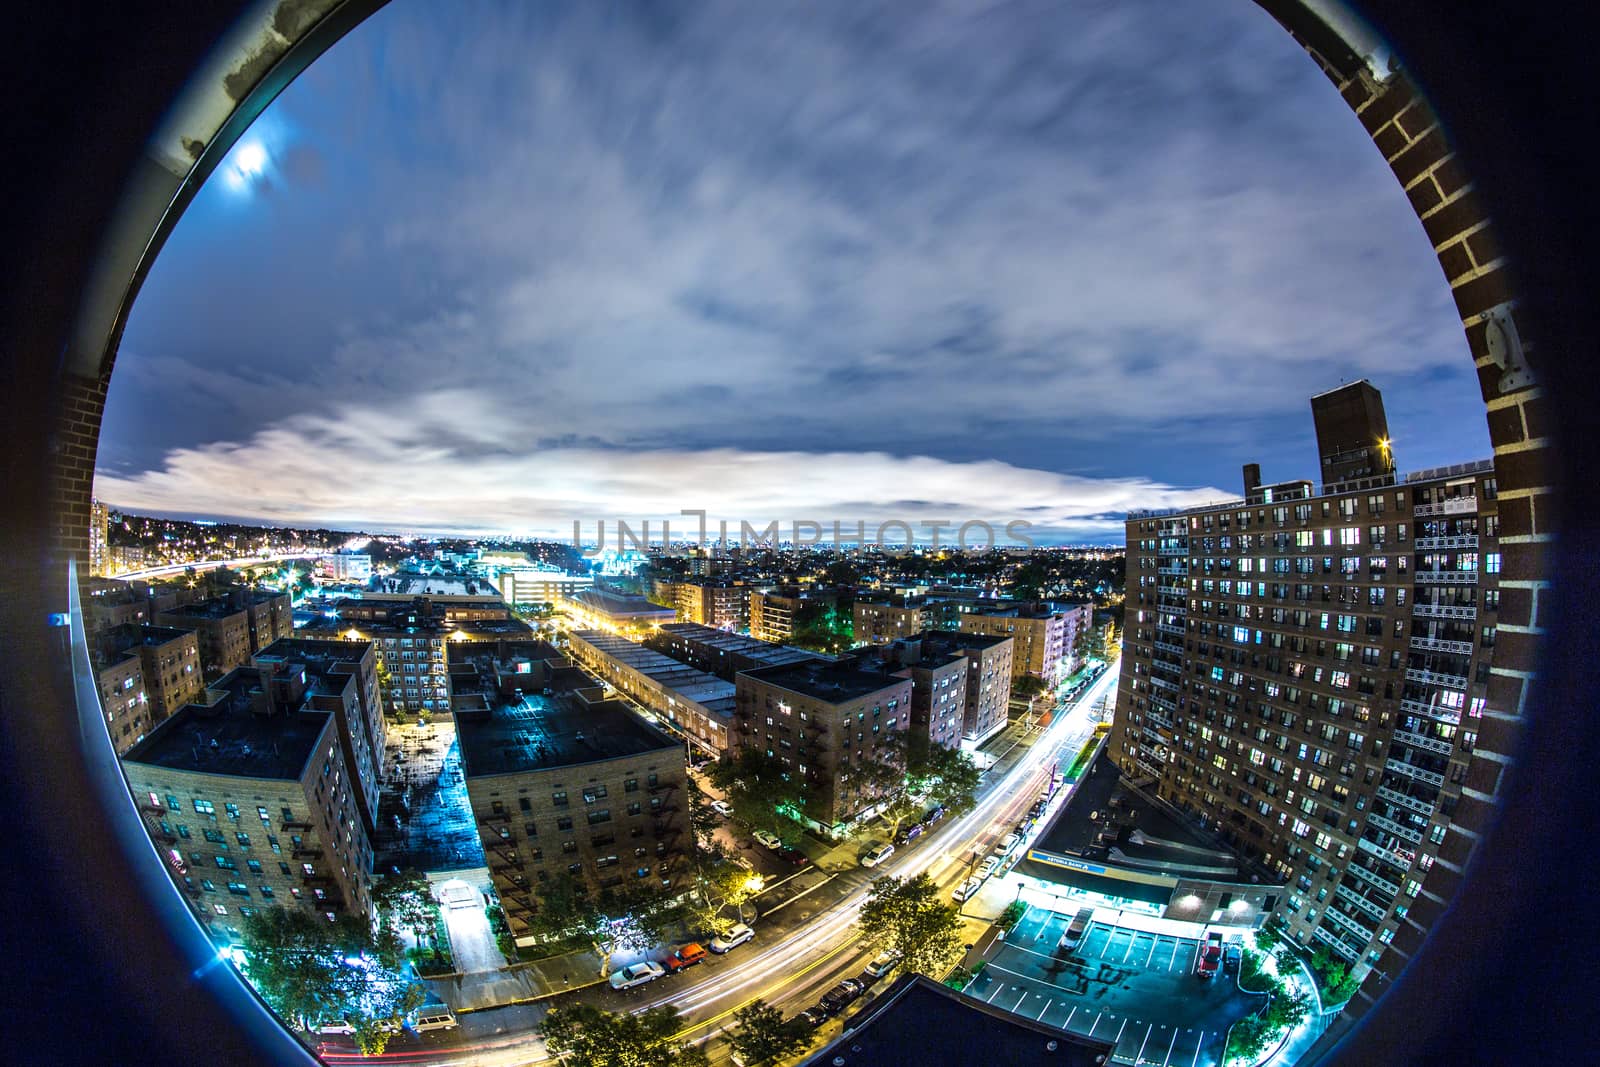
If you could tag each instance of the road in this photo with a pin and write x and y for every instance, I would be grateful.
(794, 970)
(211, 564)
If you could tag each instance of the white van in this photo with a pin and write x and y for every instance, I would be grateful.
(967, 888)
(435, 1017)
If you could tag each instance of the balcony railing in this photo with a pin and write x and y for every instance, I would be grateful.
(1399, 799)
(1440, 644)
(1454, 681)
(1399, 859)
(1432, 711)
(1410, 771)
(1399, 830)
(1350, 896)
(1175, 572)
(1170, 648)
(1425, 544)
(1340, 919)
(1422, 741)
(1461, 505)
(1446, 577)
(1424, 610)
(1168, 628)
(1334, 943)
(1377, 881)
(1164, 683)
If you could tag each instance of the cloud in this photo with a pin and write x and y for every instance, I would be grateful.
(462, 461)
(930, 229)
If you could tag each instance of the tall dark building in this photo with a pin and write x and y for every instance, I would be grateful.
(1352, 433)
(1304, 672)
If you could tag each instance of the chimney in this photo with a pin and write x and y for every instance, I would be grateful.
(1252, 478)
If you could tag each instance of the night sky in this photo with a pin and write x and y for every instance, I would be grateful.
(504, 266)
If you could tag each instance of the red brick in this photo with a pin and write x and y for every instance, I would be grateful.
(1485, 249)
(1407, 940)
(1516, 607)
(1422, 154)
(1525, 562)
(1500, 736)
(1455, 261)
(1505, 426)
(1528, 469)
(1473, 815)
(1489, 381)
(1546, 512)
(1536, 412)
(1482, 293)
(1451, 176)
(1441, 881)
(1424, 197)
(1516, 517)
(1385, 107)
(1513, 649)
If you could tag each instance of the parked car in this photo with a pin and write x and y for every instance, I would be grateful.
(934, 815)
(877, 855)
(435, 1017)
(687, 956)
(732, 939)
(637, 974)
(909, 833)
(842, 995)
(986, 868)
(722, 808)
(1076, 930)
(1231, 957)
(967, 888)
(882, 964)
(1209, 957)
(768, 839)
(794, 856)
(815, 1015)
(1013, 839)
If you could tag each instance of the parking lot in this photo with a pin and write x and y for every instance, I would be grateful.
(1132, 987)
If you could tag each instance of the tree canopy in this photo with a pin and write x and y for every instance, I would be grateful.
(757, 787)
(762, 1036)
(586, 1036)
(312, 971)
(405, 903)
(910, 918)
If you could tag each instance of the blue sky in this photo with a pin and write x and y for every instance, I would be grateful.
(505, 266)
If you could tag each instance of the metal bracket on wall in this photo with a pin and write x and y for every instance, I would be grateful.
(1505, 348)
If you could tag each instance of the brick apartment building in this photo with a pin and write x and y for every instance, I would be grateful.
(145, 673)
(231, 626)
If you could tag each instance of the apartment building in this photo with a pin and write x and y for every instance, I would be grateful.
(884, 622)
(827, 721)
(232, 626)
(696, 705)
(1304, 671)
(99, 539)
(248, 799)
(717, 602)
(720, 652)
(145, 673)
(1050, 638)
(961, 683)
(601, 609)
(340, 677)
(571, 785)
(108, 603)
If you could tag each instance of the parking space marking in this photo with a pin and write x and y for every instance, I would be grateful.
(1040, 1016)
(1018, 1004)
(1121, 1028)
(1140, 1057)
(1134, 940)
(1175, 943)
(1170, 1046)
(1153, 944)
(1096, 1023)
(1070, 1014)
(1197, 1046)
(995, 992)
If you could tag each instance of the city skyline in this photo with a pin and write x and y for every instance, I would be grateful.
(852, 267)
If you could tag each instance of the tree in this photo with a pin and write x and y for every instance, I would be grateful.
(720, 884)
(586, 1036)
(565, 910)
(405, 904)
(909, 917)
(702, 820)
(311, 971)
(761, 1036)
(758, 788)
(947, 776)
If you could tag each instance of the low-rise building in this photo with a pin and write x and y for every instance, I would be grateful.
(146, 673)
(1047, 635)
(886, 621)
(600, 609)
(250, 802)
(719, 652)
(697, 705)
(108, 603)
(231, 626)
(570, 785)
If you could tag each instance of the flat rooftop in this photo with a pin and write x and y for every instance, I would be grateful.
(538, 733)
(834, 682)
(1108, 824)
(704, 689)
(409, 584)
(919, 1021)
(723, 641)
(619, 604)
(115, 643)
(230, 736)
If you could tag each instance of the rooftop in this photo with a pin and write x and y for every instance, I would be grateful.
(230, 734)
(920, 1021)
(117, 642)
(537, 733)
(619, 604)
(834, 682)
(724, 641)
(704, 689)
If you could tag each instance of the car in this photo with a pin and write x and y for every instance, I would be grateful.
(967, 889)
(882, 964)
(910, 833)
(1209, 958)
(815, 1015)
(933, 816)
(1012, 840)
(1231, 956)
(987, 867)
(842, 995)
(686, 956)
(768, 839)
(877, 855)
(794, 856)
(722, 808)
(637, 974)
(738, 935)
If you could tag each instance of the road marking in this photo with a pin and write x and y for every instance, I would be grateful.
(1097, 1023)
(1069, 1017)
(1131, 942)
(1153, 944)
(1110, 939)
(1018, 1004)
(997, 987)
(1197, 1046)
(1170, 1046)
(1140, 1057)
(1121, 1028)
(1174, 959)
(1040, 1016)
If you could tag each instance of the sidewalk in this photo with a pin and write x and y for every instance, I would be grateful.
(518, 983)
